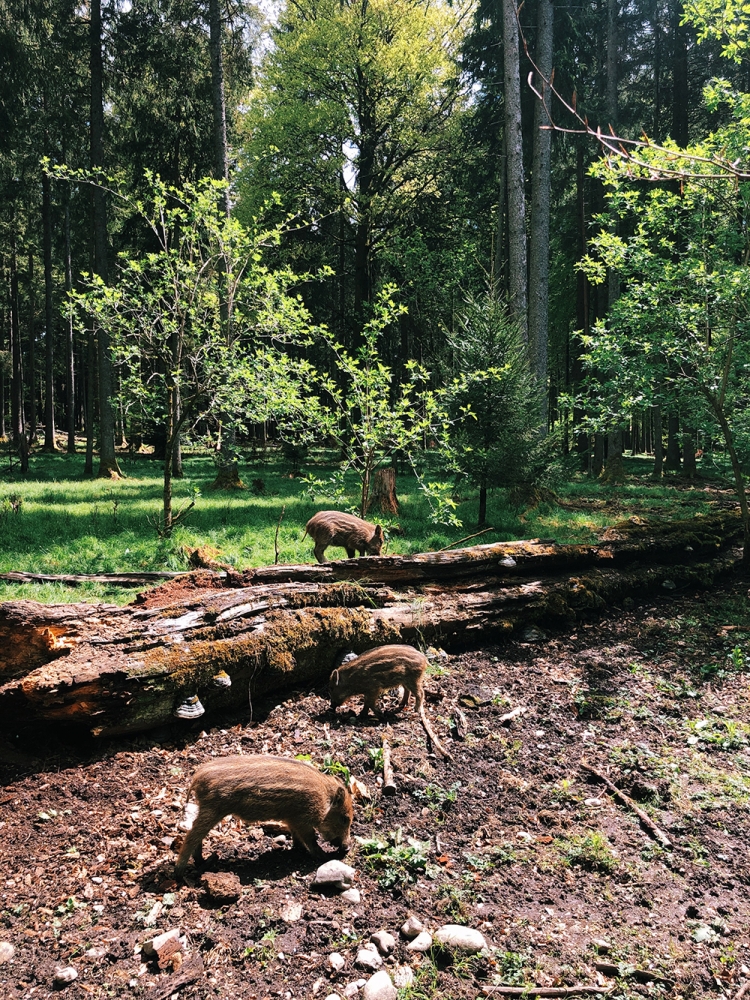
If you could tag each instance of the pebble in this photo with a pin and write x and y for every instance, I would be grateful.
(96, 953)
(64, 977)
(368, 958)
(333, 875)
(352, 895)
(291, 912)
(380, 987)
(460, 937)
(422, 942)
(383, 941)
(336, 961)
(403, 976)
(7, 951)
(333, 996)
(411, 927)
(352, 988)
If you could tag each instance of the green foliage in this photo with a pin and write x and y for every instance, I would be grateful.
(493, 408)
(396, 861)
(591, 851)
(370, 418)
(436, 798)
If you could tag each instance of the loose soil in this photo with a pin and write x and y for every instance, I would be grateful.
(513, 837)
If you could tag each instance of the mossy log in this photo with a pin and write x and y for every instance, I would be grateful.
(124, 669)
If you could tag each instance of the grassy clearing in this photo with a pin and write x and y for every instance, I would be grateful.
(67, 523)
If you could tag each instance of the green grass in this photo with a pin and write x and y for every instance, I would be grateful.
(68, 523)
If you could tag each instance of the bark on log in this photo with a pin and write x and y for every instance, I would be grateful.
(123, 669)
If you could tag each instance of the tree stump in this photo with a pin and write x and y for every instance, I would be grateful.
(383, 496)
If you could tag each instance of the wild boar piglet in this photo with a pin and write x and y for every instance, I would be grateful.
(331, 527)
(379, 670)
(263, 789)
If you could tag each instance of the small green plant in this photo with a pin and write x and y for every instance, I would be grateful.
(739, 661)
(436, 798)
(263, 952)
(376, 758)
(591, 851)
(563, 791)
(453, 903)
(504, 854)
(331, 766)
(727, 734)
(396, 860)
(511, 966)
(479, 862)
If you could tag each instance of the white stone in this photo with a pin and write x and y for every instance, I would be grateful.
(459, 937)
(63, 977)
(334, 875)
(351, 989)
(384, 942)
(333, 996)
(291, 912)
(7, 951)
(422, 942)
(352, 895)
(368, 958)
(336, 961)
(379, 987)
(403, 976)
(411, 927)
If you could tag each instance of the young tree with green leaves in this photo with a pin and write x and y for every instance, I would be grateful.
(193, 322)
(493, 401)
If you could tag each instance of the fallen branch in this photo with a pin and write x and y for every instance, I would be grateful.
(389, 785)
(547, 991)
(431, 734)
(119, 579)
(743, 990)
(659, 834)
(640, 975)
(466, 538)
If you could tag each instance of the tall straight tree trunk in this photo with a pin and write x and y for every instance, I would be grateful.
(49, 374)
(672, 463)
(498, 260)
(680, 103)
(31, 414)
(108, 467)
(16, 399)
(218, 101)
(88, 466)
(5, 320)
(540, 212)
(517, 258)
(689, 468)
(70, 387)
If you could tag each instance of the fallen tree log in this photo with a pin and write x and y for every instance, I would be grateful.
(123, 669)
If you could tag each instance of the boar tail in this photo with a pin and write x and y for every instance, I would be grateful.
(433, 738)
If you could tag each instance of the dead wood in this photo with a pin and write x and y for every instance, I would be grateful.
(190, 972)
(653, 829)
(640, 975)
(546, 991)
(124, 669)
(389, 785)
(115, 579)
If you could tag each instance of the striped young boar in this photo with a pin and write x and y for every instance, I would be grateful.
(262, 789)
(331, 527)
(379, 670)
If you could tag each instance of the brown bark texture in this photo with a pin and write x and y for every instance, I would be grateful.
(124, 669)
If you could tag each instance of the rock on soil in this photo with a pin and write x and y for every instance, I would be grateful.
(380, 987)
(422, 942)
(411, 927)
(333, 876)
(456, 937)
(222, 887)
(383, 941)
(368, 958)
(7, 951)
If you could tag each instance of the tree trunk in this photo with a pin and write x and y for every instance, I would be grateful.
(614, 469)
(70, 381)
(680, 103)
(597, 465)
(482, 519)
(50, 444)
(108, 468)
(123, 669)
(88, 467)
(218, 102)
(517, 258)
(672, 463)
(540, 216)
(31, 413)
(18, 428)
(689, 468)
(383, 497)
(658, 443)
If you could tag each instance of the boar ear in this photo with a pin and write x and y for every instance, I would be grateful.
(379, 531)
(335, 678)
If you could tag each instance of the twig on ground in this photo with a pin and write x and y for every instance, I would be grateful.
(741, 992)
(389, 785)
(191, 971)
(659, 834)
(640, 975)
(466, 539)
(546, 991)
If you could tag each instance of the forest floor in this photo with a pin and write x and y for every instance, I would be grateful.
(513, 838)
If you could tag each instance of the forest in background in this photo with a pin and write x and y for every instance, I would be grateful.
(395, 252)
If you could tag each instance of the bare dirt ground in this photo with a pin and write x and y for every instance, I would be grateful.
(513, 838)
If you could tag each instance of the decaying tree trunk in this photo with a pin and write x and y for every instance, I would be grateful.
(123, 669)
(383, 498)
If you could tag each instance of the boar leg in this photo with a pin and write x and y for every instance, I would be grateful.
(193, 846)
(404, 698)
(351, 553)
(370, 705)
(320, 552)
(304, 836)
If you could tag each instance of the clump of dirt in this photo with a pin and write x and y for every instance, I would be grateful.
(514, 838)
